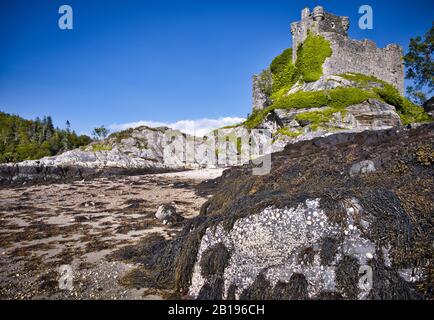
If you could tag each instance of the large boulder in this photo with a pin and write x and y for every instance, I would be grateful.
(324, 83)
(372, 114)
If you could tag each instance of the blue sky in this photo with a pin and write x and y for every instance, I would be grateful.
(163, 61)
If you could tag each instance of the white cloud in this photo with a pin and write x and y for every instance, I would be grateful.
(198, 127)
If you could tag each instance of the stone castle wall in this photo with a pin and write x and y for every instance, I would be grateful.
(349, 55)
(364, 57)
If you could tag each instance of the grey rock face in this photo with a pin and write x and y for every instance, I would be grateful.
(280, 243)
(372, 114)
(165, 212)
(324, 83)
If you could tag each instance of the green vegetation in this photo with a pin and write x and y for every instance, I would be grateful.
(338, 98)
(289, 133)
(310, 57)
(22, 139)
(101, 147)
(230, 127)
(362, 80)
(119, 136)
(100, 133)
(308, 67)
(318, 117)
(407, 110)
(283, 74)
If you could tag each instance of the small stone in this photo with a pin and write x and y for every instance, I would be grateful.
(369, 255)
(165, 211)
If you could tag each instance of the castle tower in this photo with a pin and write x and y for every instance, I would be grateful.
(318, 21)
(348, 55)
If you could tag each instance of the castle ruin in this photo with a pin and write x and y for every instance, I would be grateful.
(349, 56)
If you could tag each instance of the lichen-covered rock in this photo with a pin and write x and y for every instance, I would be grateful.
(372, 115)
(273, 242)
(324, 83)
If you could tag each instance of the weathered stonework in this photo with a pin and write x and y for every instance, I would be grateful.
(349, 55)
(365, 58)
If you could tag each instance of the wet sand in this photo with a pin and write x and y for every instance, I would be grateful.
(80, 224)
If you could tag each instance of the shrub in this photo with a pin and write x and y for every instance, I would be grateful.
(101, 147)
(283, 73)
(338, 98)
(408, 111)
(289, 133)
(311, 55)
(318, 117)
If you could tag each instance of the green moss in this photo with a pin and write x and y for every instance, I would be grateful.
(256, 118)
(319, 117)
(239, 145)
(119, 136)
(408, 111)
(308, 67)
(289, 133)
(283, 74)
(101, 147)
(311, 55)
(338, 98)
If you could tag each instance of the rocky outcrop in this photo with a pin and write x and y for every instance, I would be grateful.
(372, 115)
(135, 151)
(369, 115)
(324, 83)
(348, 216)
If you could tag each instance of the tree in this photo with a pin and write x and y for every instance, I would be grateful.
(420, 66)
(22, 139)
(100, 133)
